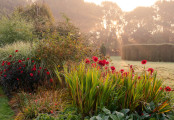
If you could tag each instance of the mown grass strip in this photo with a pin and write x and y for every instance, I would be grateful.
(6, 113)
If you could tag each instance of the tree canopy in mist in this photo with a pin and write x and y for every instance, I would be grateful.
(108, 24)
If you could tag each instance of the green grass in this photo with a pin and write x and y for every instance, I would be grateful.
(165, 70)
(6, 113)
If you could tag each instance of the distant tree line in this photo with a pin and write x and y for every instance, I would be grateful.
(109, 25)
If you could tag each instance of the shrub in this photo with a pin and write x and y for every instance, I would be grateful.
(15, 29)
(103, 50)
(56, 51)
(25, 74)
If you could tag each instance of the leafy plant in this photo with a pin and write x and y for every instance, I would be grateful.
(108, 115)
(44, 101)
(15, 29)
(25, 74)
(44, 117)
(87, 88)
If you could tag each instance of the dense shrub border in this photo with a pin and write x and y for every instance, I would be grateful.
(161, 52)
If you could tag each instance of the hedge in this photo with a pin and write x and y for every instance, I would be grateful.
(150, 52)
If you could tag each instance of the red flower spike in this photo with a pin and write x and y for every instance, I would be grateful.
(40, 67)
(87, 61)
(16, 51)
(143, 61)
(5, 75)
(31, 74)
(95, 59)
(2, 64)
(10, 56)
(112, 68)
(32, 61)
(17, 78)
(28, 58)
(168, 89)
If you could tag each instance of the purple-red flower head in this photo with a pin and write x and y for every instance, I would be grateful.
(112, 68)
(167, 88)
(151, 70)
(143, 61)
(95, 58)
(87, 61)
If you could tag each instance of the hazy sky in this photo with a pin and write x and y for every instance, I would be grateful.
(127, 5)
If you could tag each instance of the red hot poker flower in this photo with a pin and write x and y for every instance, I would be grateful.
(143, 61)
(95, 58)
(112, 68)
(168, 88)
(87, 61)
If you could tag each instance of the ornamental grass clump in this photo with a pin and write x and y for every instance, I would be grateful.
(95, 83)
(88, 89)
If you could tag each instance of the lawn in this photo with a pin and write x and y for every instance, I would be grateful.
(6, 112)
(165, 70)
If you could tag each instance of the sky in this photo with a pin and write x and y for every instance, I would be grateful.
(127, 5)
